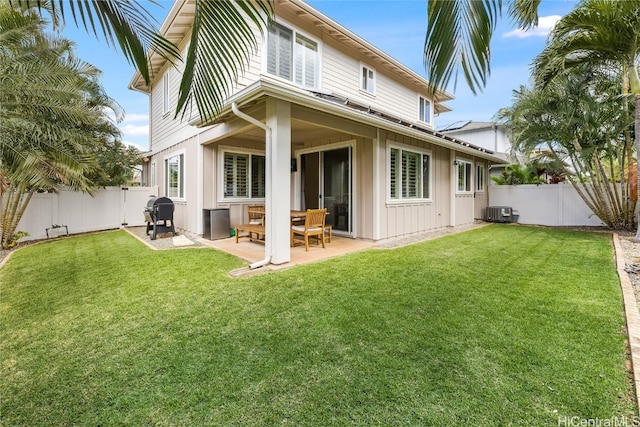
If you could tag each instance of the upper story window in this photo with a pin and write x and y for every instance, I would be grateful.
(424, 110)
(367, 79)
(464, 176)
(409, 174)
(243, 175)
(293, 56)
(480, 178)
(174, 176)
(165, 93)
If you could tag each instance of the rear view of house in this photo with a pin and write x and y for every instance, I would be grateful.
(321, 119)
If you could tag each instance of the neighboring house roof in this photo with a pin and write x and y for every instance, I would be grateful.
(469, 125)
(180, 18)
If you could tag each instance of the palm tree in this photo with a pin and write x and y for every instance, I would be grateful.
(604, 33)
(579, 119)
(222, 41)
(52, 115)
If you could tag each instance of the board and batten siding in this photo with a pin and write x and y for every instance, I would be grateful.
(400, 219)
(185, 215)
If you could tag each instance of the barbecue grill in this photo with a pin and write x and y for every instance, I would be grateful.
(159, 210)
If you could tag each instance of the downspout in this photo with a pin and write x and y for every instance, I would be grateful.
(267, 173)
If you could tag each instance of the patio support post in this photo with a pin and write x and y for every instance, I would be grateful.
(278, 203)
(454, 187)
(267, 142)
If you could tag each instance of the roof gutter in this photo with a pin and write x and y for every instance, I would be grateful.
(268, 193)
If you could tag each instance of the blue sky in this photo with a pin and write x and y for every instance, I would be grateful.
(396, 27)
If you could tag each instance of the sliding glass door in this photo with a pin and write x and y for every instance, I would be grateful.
(327, 183)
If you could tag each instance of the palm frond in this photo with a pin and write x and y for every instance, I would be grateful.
(597, 31)
(524, 13)
(222, 42)
(122, 22)
(458, 38)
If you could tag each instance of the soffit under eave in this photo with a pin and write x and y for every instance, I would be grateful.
(175, 28)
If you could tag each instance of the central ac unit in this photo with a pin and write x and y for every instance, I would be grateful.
(498, 214)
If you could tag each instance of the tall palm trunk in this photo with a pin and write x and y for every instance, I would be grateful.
(14, 203)
(637, 138)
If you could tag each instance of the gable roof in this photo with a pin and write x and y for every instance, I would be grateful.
(179, 21)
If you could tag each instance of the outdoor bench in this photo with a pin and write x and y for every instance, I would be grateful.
(257, 229)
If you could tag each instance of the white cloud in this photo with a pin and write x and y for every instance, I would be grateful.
(135, 130)
(545, 25)
(133, 144)
(136, 117)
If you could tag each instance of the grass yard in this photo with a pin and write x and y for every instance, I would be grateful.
(503, 325)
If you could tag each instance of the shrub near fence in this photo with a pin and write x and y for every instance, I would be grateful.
(557, 205)
(111, 207)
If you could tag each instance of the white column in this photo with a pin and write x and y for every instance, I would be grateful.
(377, 173)
(454, 187)
(279, 120)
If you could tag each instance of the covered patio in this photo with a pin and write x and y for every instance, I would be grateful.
(254, 252)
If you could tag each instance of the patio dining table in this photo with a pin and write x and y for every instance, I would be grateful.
(295, 214)
(297, 217)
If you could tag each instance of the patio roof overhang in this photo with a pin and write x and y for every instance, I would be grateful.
(346, 109)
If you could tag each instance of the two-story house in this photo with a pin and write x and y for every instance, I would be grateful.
(321, 119)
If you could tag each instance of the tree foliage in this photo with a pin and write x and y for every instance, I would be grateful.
(517, 174)
(580, 119)
(117, 163)
(605, 34)
(53, 115)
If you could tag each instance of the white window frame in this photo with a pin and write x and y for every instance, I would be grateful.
(181, 175)
(424, 105)
(481, 176)
(298, 39)
(367, 79)
(399, 198)
(153, 172)
(166, 101)
(467, 184)
(221, 174)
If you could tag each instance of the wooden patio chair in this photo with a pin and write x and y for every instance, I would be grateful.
(313, 226)
(255, 214)
(256, 217)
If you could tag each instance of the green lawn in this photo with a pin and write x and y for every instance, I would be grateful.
(503, 325)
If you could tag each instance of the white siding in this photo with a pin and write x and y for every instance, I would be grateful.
(489, 138)
(341, 75)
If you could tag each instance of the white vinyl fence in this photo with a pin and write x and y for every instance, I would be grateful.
(549, 204)
(111, 207)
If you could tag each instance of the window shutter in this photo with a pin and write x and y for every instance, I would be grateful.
(279, 47)
(306, 58)
(426, 164)
(411, 172)
(236, 175)
(393, 173)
